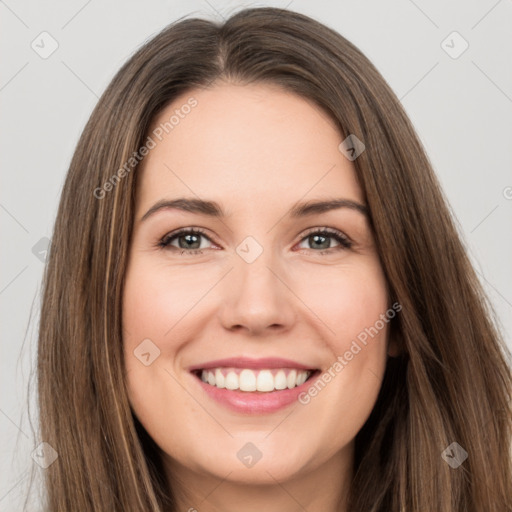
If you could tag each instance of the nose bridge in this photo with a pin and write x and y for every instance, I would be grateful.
(255, 297)
(254, 280)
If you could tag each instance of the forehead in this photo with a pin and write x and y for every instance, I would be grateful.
(245, 145)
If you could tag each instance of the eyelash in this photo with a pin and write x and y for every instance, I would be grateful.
(343, 240)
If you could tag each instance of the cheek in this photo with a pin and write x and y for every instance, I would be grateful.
(153, 302)
(147, 307)
(351, 304)
(160, 311)
(156, 298)
(346, 300)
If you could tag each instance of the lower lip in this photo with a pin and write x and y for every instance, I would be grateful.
(255, 402)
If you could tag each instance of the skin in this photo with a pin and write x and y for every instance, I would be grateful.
(257, 150)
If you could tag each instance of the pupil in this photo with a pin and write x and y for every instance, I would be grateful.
(188, 239)
(316, 237)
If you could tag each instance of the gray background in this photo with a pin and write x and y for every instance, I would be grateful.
(461, 108)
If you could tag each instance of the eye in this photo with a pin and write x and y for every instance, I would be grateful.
(321, 239)
(188, 239)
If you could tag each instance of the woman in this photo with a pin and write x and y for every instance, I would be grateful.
(255, 369)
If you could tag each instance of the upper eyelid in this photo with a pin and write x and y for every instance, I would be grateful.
(330, 231)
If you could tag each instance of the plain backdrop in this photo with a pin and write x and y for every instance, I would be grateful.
(456, 88)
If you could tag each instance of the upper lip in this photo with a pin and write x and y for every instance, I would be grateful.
(247, 362)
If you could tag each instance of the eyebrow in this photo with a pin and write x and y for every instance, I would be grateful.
(213, 209)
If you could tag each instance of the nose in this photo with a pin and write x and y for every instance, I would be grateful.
(257, 297)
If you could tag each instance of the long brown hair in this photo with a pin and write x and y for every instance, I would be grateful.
(451, 382)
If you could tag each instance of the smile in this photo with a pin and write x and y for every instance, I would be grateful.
(245, 379)
(253, 386)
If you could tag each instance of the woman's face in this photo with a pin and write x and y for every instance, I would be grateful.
(259, 285)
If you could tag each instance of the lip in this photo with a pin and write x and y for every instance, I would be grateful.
(252, 364)
(254, 402)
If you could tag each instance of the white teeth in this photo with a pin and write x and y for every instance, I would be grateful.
(219, 379)
(247, 380)
(265, 381)
(231, 380)
(254, 380)
(292, 379)
(301, 379)
(280, 381)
